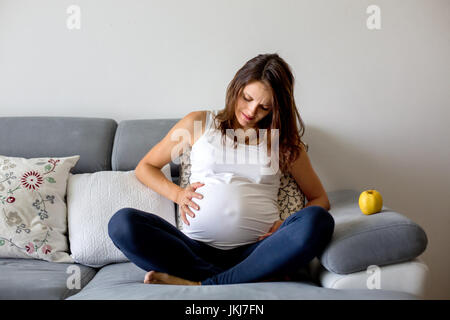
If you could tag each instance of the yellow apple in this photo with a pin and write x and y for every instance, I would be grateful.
(370, 201)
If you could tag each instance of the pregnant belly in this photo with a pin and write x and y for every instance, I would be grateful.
(231, 215)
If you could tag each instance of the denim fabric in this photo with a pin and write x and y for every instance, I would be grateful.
(152, 243)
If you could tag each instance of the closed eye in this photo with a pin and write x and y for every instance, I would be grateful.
(265, 109)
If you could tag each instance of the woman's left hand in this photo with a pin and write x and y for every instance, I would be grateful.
(274, 228)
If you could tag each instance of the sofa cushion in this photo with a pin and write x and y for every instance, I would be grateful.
(92, 199)
(134, 138)
(33, 207)
(41, 280)
(124, 281)
(33, 137)
(410, 276)
(360, 240)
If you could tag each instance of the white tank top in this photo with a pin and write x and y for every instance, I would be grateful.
(240, 195)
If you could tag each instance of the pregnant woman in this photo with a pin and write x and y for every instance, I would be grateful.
(232, 232)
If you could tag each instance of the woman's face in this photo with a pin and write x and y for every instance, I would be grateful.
(254, 101)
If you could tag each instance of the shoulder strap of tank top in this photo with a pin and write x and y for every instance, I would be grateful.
(209, 119)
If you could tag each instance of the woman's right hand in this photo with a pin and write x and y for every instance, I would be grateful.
(184, 200)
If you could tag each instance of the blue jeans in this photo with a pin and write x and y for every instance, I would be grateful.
(152, 243)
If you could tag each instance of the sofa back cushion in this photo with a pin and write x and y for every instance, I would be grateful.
(134, 138)
(35, 137)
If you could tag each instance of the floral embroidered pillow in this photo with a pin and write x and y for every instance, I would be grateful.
(33, 208)
(290, 198)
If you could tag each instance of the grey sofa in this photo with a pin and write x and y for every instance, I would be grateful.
(369, 257)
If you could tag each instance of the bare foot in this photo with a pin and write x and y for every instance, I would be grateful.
(153, 277)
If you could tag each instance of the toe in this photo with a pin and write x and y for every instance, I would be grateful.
(148, 277)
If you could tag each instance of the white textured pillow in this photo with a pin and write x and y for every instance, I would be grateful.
(93, 198)
(33, 210)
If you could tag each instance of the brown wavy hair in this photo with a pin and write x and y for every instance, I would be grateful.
(275, 73)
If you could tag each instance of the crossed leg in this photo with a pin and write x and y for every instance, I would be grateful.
(155, 245)
(301, 237)
(146, 240)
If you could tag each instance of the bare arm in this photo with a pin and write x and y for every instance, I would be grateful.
(320, 201)
(156, 180)
(309, 182)
(148, 170)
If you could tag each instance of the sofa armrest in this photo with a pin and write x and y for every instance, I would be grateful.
(410, 277)
(360, 240)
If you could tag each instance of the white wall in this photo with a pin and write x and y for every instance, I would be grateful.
(375, 102)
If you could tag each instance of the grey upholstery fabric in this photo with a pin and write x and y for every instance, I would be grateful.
(358, 240)
(33, 279)
(134, 138)
(125, 281)
(32, 137)
(362, 240)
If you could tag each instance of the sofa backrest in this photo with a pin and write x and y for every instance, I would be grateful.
(102, 144)
(33, 137)
(134, 138)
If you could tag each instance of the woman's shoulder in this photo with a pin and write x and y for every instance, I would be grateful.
(193, 116)
(199, 116)
(202, 116)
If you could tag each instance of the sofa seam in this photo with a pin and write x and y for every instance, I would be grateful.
(111, 148)
(413, 225)
(65, 296)
(114, 158)
(92, 270)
